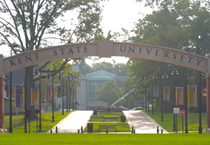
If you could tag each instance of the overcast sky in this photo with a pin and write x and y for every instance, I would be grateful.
(117, 14)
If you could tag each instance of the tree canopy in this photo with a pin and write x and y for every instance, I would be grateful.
(36, 24)
(109, 93)
(177, 24)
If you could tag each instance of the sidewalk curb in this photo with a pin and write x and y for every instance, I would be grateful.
(153, 121)
(63, 120)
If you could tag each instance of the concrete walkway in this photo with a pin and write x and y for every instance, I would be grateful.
(142, 123)
(73, 122)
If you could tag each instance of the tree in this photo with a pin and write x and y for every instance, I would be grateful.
(130, 100)
(175, 24)
(109, 93)
(106, 66)
(119, 69)
(84, 68)
(33, 24)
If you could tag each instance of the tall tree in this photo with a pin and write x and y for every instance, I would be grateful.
(109, 93)
(33, 24)
(175, 24)
(84, 68)
(119, 69)
(106, 66)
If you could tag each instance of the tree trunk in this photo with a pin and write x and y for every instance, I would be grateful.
(28, 85)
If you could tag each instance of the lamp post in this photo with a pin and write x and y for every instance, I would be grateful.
(10, 102)
(37, 73)
(146, 96)
(165, 76)
(174, 73)
(61, 78)
(74, 86)
(25, 104)
(199, 93)
(144, 102)
(185, 99)
(73, 92)
(145, 91)
(10, 99)
(51, 77)
(153, 78)
(67, 93)
(77, 84)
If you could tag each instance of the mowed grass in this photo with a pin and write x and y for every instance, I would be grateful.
(102, 117)
(107, 139)
(104, 139)
(47, 124)
(109, 113)
(121, 127)
(108, 118)
(193, 121)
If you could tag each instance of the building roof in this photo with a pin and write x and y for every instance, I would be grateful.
(100, 74)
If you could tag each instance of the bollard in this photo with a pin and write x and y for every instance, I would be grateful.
(81, 129)
(132, 131)
(157, 129)
(78, 131)
(162, 131)
(56, 129)
(51, 131)
(107, 129)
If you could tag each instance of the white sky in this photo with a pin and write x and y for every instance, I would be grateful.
(117, 14)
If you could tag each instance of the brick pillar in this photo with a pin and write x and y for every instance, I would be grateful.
(208, 100)
(208, 94)
(1, 93)
(1, 102)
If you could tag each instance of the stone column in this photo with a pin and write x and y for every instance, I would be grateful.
(1, 102)
(1, 95)
(208, 100)
(208, 94)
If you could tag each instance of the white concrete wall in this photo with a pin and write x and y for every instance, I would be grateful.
(81, 95)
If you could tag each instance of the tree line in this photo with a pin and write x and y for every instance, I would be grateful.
(34, 24)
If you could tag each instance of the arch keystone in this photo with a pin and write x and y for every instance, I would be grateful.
(105, 48)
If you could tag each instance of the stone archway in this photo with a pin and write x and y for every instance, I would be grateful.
(104, 49)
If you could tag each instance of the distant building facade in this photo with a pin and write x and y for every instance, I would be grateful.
(87, 93)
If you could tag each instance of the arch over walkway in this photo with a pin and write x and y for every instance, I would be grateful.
(104, 49)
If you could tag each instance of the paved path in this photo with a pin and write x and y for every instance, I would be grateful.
(142, 123)
(73, 122)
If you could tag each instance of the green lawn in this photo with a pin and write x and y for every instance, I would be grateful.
(193, 121)
(109, 113)
(111, 138)
(121, 127)
(115, 120)
(104, 139)
(101, 117)
(47, 124)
